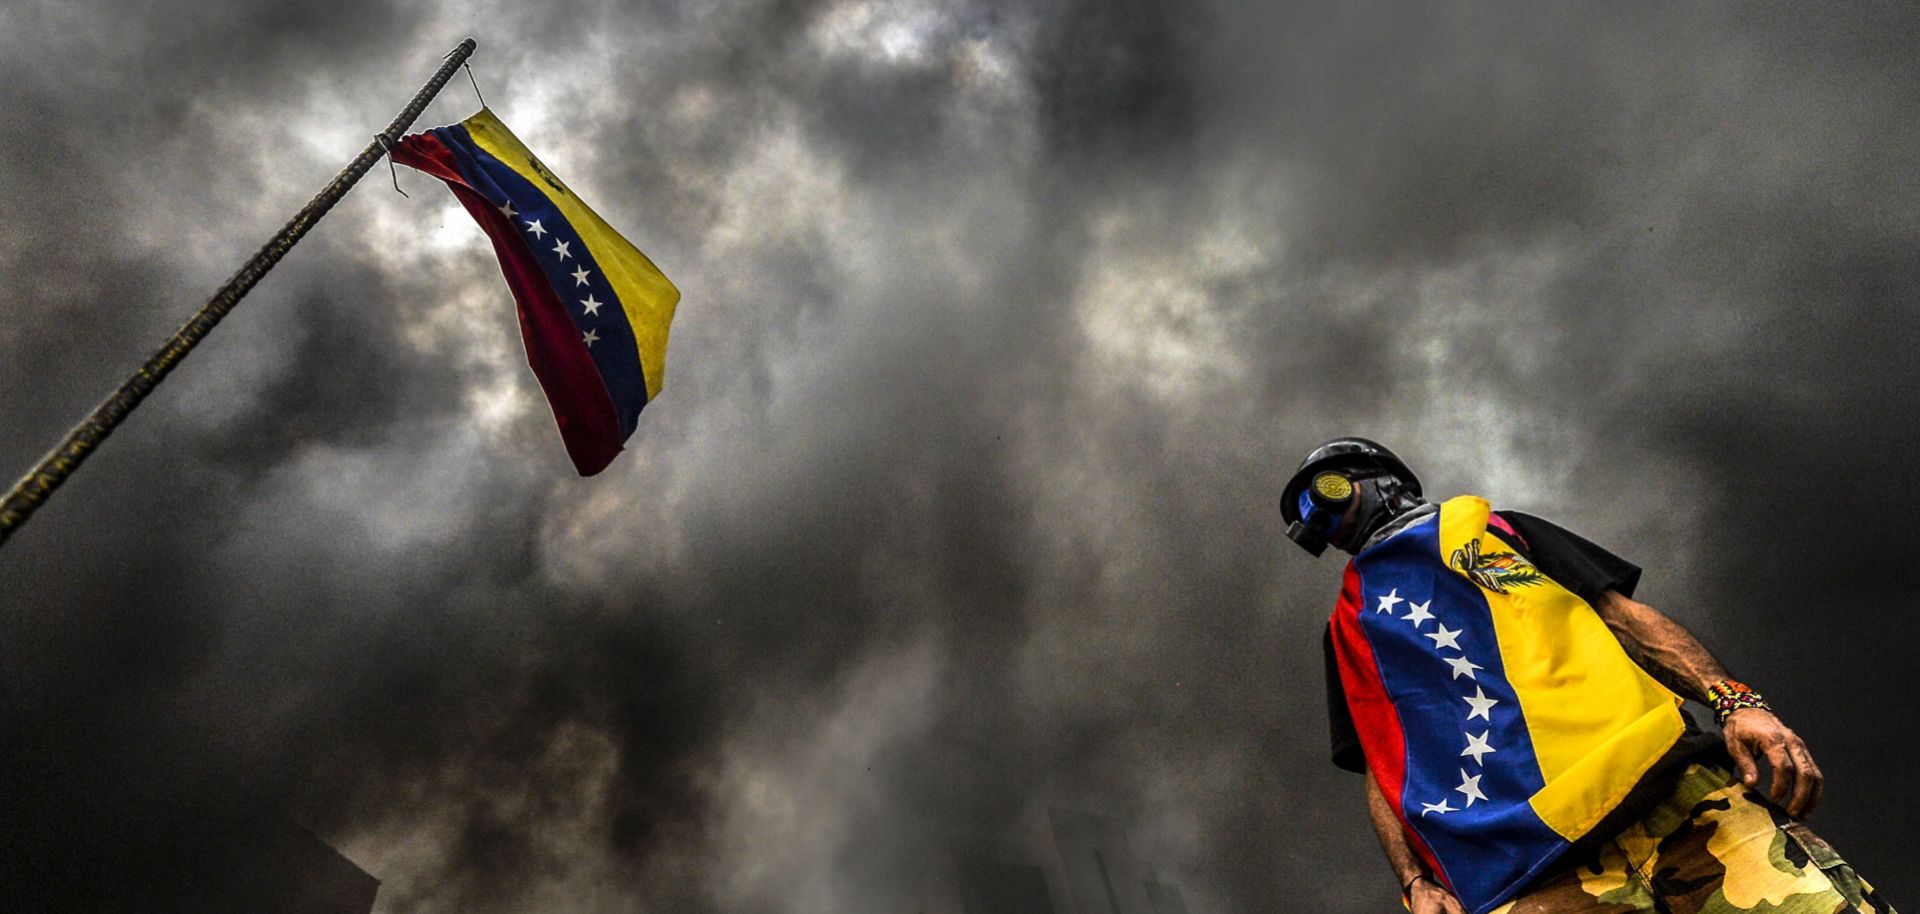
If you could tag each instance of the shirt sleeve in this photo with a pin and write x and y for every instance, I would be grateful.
(1346, 741)
(1577, 564)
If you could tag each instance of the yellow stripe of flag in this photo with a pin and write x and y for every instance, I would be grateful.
(1597, 721)
(645, 294)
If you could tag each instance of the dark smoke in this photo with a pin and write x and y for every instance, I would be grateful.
(1003, 324)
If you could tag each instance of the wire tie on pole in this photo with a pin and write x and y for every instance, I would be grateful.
(476, 84)
(387, 144)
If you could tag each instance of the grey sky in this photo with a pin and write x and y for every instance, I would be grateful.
(1002, 326)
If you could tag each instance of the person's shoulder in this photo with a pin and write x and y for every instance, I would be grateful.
(1526, 523)
(1583, 566)
(1513, 515)
(1523, 521)
(1507, 517)
(1521, 527)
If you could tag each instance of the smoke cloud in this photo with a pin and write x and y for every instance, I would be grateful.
(1003, 324)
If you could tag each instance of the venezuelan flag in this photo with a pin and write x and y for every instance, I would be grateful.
(1500, 717)
(593, 310)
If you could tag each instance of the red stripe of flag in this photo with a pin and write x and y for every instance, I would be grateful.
(1374, 716)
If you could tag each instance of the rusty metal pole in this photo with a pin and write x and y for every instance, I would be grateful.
(37, 486)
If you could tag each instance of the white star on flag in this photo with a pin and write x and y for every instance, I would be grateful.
(1419, 613)
(535, 228)
(1470, 786)
(593, 307)
(1477, 747)
(1440, 807)
(1481, 705)
(591, 338)
(506, 209)
(560, 247)
(1386, 602)
(1462, 665)
(1445, 638)
(580, 276)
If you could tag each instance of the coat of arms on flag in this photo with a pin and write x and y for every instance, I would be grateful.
(1496, 571)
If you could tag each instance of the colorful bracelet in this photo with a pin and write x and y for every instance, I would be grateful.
(1728, 696)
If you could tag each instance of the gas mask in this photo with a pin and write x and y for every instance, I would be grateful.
(1374, 497)
(1345, 491)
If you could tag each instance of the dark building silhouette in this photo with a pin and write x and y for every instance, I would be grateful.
(268, 866)
(94, 820)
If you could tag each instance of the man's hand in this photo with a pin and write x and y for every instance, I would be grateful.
(1430, 897)
(1672, 655)
(1797, 782)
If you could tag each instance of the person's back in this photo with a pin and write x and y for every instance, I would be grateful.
(1518, 713)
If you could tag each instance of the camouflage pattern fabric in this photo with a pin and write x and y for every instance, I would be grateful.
(1713, 847)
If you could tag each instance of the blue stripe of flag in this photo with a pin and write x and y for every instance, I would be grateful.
(614, 353)
(1489, 846)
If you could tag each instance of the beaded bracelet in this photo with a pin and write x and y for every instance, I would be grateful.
(1728, 696)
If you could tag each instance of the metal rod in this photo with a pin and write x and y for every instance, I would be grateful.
(38, 485)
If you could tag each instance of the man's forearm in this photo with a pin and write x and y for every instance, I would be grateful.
(1674, 657)
(1393, 840)
(1667, 651)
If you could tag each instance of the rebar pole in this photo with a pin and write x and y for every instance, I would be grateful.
(37, 486)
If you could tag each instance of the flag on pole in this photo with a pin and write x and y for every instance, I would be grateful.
(593, 310)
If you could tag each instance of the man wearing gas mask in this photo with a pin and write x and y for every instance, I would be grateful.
(1519, 718)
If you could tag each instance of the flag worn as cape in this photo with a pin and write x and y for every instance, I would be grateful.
(593, 309)
(1500, 717)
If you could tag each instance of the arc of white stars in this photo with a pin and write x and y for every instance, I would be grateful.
(1463, 667)
(593, 307)
(580, 276)
(1470, 786)
(506, 209)
(535, 228)
(560, 247)
(591, 338)
(1445, 638)
(1440, 807)
(1419, 613)
(1477, 747)
(1482, 705)
(1387, 602)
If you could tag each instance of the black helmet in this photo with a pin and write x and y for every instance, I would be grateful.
(1345, 456)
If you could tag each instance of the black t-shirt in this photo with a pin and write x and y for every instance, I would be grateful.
(1577, 564)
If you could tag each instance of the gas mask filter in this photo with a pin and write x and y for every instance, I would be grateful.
(1322, 507)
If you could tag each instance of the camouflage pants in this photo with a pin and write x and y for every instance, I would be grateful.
(1713, 847)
